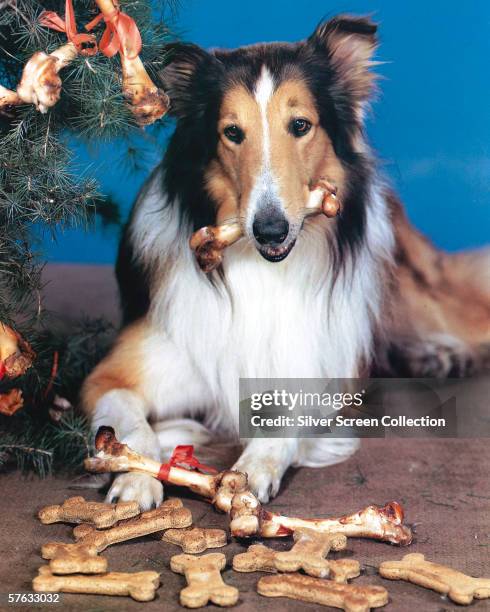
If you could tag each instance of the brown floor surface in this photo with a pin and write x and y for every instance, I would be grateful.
(443, 485)
(75, 290)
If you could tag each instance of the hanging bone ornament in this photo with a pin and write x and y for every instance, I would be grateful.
(40, 83)
(459, 587)
(147, 102)
(229, 492)
(16, 354)
(308, 554)
(141, 586)
(77, 510)
(348, 597)
(204, 580)
(11, 401)
(208, 243)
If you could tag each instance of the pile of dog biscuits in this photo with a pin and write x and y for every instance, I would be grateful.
(303, 573)
(79, 568)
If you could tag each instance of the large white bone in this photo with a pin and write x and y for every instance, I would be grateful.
(229, 492)
(40, 83)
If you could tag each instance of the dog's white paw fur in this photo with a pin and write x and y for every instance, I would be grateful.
(144, 489)
(264, 477)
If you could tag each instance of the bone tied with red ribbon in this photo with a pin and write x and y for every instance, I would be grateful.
(121, 33)
(229, 492)
(183, 456)
(86, 44)
(41, 84)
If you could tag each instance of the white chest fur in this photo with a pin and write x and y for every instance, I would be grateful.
(265, 320)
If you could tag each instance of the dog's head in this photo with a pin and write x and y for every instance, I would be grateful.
(265, 122)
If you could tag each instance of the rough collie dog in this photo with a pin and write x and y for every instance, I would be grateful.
(295, 296)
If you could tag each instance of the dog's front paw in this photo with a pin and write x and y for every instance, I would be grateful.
(263, 478)
(144, 489)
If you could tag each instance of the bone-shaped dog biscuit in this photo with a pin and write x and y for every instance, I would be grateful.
(141, 586)
(229, 492)
(260, 558)
(342, 570)
(77, 510)
(308, 554)
(195, 540)
(82, 556)
(459, 587)
(170, 514)
(73, 558)
(324, 592)
(204, 580)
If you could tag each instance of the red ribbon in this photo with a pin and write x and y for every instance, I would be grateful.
(52, 20)
(183, 455)
(121, 34)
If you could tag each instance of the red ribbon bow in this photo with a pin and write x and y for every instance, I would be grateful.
(52, 20)
(121, 34)
(183, 455)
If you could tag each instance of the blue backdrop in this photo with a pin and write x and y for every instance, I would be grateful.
(430, 125)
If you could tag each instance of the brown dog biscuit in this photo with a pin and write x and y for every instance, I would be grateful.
(73, 558)
(342, 570)
(77, 510)
(83, 556)
(258, 558)
(204, 580)
(141, 586)
(308, 554)
(324, 592)
(459, 587)
(196, 539)
(171, 514)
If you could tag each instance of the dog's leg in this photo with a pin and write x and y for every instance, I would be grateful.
(180, 431)
(321, 452)
(125, 411)
(436, 356)
(265, 461)
(112, 395)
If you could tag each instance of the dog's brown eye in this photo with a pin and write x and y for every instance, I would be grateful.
(234, 133)
(299, 127)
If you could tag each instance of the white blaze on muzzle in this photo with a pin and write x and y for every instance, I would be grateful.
(265, 191)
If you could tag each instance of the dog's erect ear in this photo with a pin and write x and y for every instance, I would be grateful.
(190, 75)
(349, 43)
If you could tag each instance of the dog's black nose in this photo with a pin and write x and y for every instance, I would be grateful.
(270, 228)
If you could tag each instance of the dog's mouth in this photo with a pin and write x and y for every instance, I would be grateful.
(275, 254)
